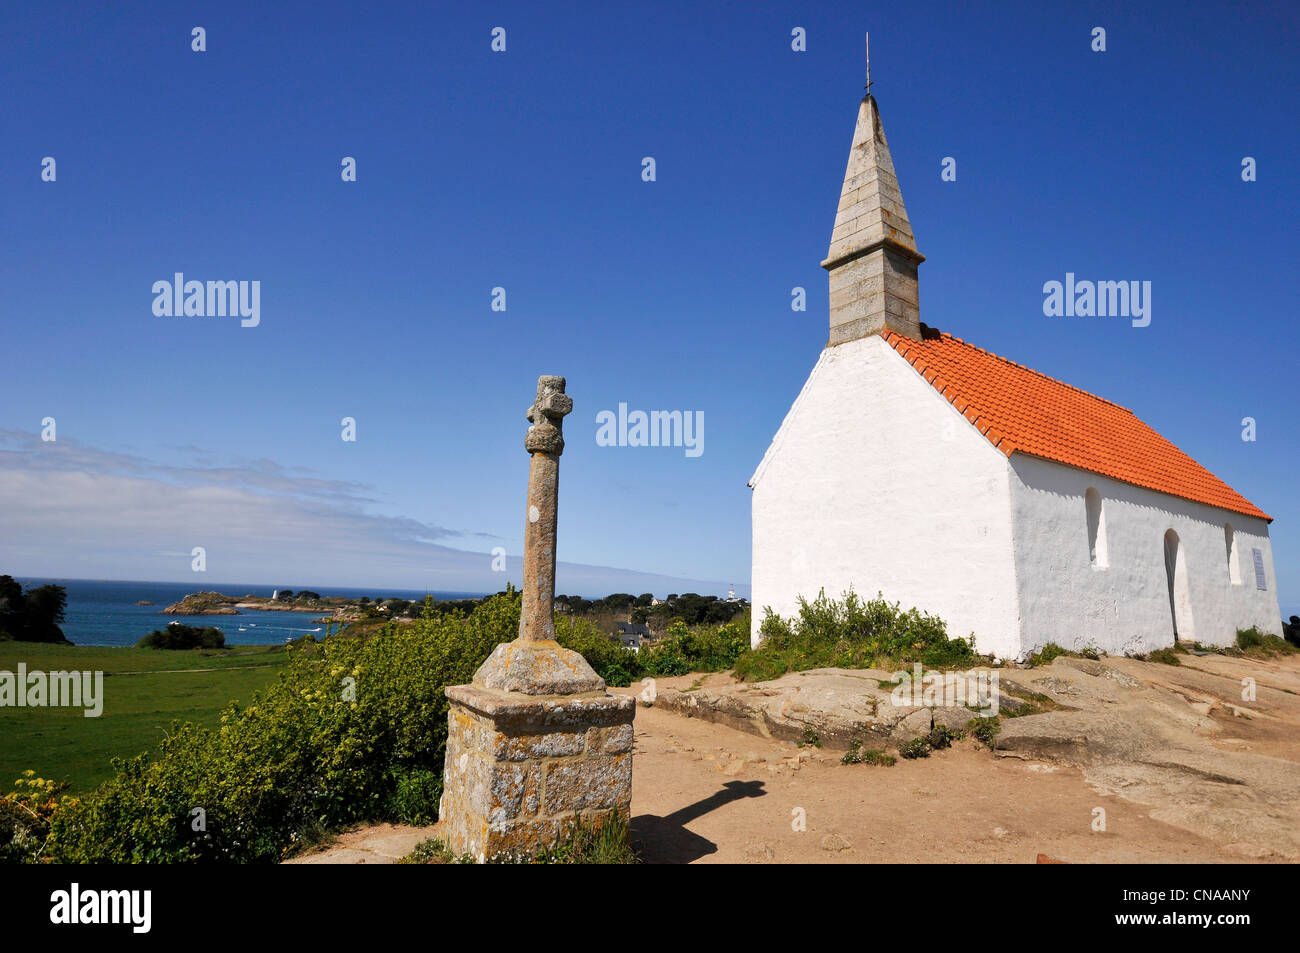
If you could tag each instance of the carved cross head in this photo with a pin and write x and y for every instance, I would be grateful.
(547, 416)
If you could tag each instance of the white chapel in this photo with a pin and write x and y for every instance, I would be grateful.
(1010, 504)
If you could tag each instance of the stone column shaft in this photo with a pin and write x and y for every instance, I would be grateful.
(537, 619)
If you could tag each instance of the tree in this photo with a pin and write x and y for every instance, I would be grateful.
(618, 601)
(693, 607)
(179, 636)
(33, 616)
(46, 605)
(12, 608)
(577, 605)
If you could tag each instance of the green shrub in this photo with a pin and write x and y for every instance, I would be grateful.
(301, 756)
(705, 648)
(682, 649)
(600, 843)
(25, 816)
(178, 635)
(851, 633)
(588, 843)
(416, 792)
(985, 730)
(1250, 638)
(1165, 656)
(940, 738)
(1046, 654)
(859, 755)
(765, 665)
(1051, 650)
(433, 851)
(1251, 643)
(354, 729)
(916, 748)
(617, 665)
(1263, 644)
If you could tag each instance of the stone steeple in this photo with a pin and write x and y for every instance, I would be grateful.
(873, 258)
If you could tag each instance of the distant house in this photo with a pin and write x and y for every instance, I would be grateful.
(630, 635)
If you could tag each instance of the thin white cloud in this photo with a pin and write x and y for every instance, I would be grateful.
(70, 510)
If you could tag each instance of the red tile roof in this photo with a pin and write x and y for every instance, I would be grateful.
(1019, 409)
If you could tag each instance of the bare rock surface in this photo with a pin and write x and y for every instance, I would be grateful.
(1211, 745)
(838, 706)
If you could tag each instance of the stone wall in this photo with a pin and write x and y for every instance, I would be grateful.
(522, 771)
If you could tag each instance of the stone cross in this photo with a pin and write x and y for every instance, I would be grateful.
(545, 443)
(535, 745)
(534, 663)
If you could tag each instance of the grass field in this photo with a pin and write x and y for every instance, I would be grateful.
(145, 690)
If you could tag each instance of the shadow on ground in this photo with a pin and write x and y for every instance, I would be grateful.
(666, 840)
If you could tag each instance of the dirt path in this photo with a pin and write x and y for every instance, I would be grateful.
(704, 793)
(378, 844)
(700, 794)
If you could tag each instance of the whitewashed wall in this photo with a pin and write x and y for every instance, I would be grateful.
(875, 481)
(1125, 607)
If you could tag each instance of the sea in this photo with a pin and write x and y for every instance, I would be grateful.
(104, 612)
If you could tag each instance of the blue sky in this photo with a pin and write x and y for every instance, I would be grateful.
(522, 170)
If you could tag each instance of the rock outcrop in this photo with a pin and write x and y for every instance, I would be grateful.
(836, 706)
(1208, 745)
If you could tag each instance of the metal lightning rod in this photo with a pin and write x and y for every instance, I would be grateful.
(868, 86)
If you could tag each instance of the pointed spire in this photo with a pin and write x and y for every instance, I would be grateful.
(872, 259)
(871, 205)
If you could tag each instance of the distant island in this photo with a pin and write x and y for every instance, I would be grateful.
(365, 615)
(328, 608)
